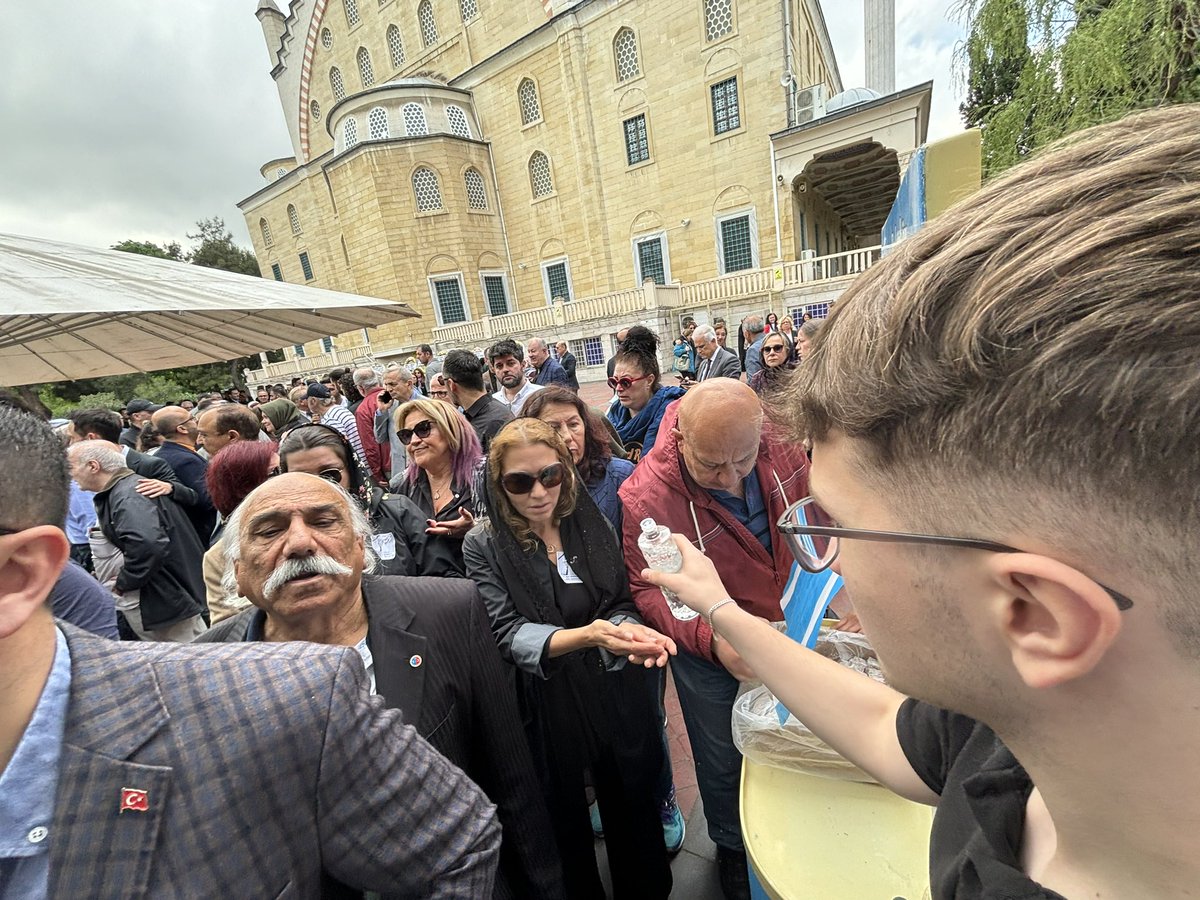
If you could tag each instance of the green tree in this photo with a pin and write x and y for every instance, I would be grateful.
(217, 250)
(146, 248)
(1040, 69)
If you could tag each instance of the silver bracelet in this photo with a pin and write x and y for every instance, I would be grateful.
(709, 615)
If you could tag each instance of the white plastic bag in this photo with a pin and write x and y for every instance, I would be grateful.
(761, 737)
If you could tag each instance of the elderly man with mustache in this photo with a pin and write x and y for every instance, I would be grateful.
(299, 549)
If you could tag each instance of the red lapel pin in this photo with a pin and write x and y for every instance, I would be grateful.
(134, 799)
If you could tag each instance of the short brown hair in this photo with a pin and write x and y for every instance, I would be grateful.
(1029, 363)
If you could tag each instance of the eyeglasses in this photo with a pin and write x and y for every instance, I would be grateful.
(815, 545)
(522, 482)
(624, 383)
(421, 430)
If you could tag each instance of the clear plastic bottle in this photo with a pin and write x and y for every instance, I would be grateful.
(663, 556)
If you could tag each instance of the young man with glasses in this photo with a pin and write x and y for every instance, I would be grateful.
(1008, 482)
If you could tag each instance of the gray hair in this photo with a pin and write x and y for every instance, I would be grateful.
(107, 454)
(401, 370)
(754, 326)
(537, 343)
(810, 328)
(365, 378)
(705, 331)
(231, 537)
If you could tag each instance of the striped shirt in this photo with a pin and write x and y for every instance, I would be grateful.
(343, 420)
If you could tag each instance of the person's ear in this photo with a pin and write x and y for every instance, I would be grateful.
(30, 563)
(1056, 622)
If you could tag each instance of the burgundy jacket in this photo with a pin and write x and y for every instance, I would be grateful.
(379, 456)
(661, 488)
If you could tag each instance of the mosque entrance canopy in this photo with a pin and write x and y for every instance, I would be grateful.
(69, 312)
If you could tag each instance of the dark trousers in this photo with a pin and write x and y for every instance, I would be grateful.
(633, 835)
(82, 554)
(706, 695)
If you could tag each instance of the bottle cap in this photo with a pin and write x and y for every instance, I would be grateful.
(649, 526)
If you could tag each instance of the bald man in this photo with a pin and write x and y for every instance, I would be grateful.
(180, 434)
(725, 489)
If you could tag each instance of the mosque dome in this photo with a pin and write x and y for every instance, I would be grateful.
(852, 97)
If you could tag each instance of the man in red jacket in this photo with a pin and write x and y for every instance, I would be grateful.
(725, 488)
(378, 456)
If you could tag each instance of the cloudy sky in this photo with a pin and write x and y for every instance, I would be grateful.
(130, 119)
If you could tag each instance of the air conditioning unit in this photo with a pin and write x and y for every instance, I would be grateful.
(810, 103)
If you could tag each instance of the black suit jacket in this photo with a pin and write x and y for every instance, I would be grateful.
(152, 467)
(191, 467)
(436, 661)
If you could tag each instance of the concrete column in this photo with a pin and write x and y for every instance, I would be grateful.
(879, 25)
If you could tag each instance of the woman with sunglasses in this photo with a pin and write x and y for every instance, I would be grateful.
(399, 537)
(777, 363)
(641, 397)
(237, 469)
(443, 451)
(552, 575)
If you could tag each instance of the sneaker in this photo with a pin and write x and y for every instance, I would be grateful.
(597, 825)
(734, 874)
(674, 828)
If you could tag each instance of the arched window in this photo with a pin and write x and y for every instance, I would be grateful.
(395, 46)
(527, 94)
(293, 219)
(280, 172)
(429, 35)
(625, 52)
(351, 12)
(266, 233)
(476, 193)
(425, 187)
(349, 133)
(336, 84)
(468, 8)
(365, 70)
(314, 109)
(458, 121)
(326, 38)
(539, 175)
(718, 18)
(414, 120)
(377, 123)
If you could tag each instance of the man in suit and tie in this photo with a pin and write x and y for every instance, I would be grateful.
(715, 360)
(570, 364)
(426, 644)
(181, 770)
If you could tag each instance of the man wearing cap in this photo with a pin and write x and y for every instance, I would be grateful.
(139, 411)
(326, 411)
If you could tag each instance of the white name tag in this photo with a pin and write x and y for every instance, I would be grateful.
(565, 572)
(385, 545)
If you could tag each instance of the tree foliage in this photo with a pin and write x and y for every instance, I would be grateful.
(1040, 69)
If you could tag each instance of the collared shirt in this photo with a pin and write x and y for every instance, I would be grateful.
(81, 514)
(750, 509)
(341, 419)
(514, 405)
(256, 631)
(487, 417)
(27, 788)
(975, 843)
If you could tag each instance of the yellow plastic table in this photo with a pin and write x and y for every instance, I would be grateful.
(813, 838)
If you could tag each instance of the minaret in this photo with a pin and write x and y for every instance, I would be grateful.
(272, 21)
(879, 26)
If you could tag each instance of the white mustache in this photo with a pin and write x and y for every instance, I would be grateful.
(292, 569)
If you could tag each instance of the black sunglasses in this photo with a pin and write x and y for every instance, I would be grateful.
(523, 482)
(421, 430)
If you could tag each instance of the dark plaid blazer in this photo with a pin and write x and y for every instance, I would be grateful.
(265, 767)
(461, 698)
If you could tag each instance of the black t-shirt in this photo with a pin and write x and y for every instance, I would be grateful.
(975, 845)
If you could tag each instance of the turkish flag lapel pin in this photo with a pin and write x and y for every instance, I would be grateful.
(135, 800)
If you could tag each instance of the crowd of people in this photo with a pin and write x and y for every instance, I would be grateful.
(444, 655)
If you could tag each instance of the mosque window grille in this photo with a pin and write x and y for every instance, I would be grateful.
(395, 46)
(458, 121)
(366, 72)
(637, 141)
(426, 190)
(306, 266)
(527, 94)
(476, 192)
(556, 279)
(589, 351)
(265, 227)
(326, 38)
(451, 305)
(293, 219)
(377, 124)
(540, 180)
(726, 107)
(352, 18)
(625, 51)
(469, 9)
(414, 120)
(429, 32)
(314, 109)
(495, 292)
(349, 134)
(276, 271)
(718, 19)
(336, 84)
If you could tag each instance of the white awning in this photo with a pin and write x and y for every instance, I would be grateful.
(69, 312)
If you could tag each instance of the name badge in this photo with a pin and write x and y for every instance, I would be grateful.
(385, 545)
(565, 572)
